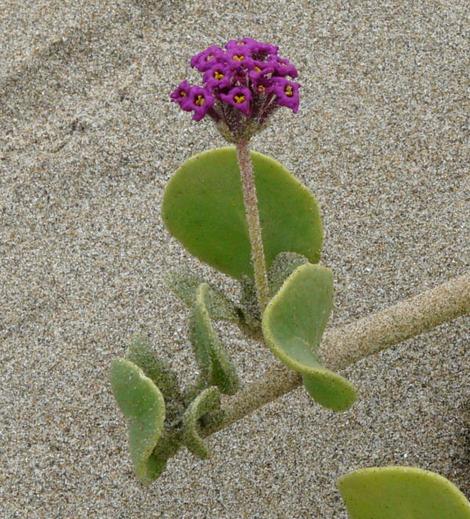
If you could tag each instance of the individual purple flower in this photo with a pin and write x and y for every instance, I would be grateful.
(205, 59)
(262, 50)
(240, 98)
(260, 72)
(283, 67)
(247, 44)
(287, 93)
(239, 56)
(180, 95)
(236, 44)
(263, 87)
(218, 76)
(200, 100)
(255, 47)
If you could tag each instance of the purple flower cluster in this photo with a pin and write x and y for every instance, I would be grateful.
(244, 83)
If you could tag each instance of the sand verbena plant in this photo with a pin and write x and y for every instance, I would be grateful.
(245, 215)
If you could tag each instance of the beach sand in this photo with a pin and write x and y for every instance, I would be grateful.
(88, 141)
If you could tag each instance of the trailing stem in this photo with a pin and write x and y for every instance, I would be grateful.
(250, 201)
(348, 344)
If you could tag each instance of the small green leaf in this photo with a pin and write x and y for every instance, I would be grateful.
(203, 208)
(293, 324)
(283, 265)
(207, 401)
(140, 353)
(401, 493)
(184, 285)
(216, 367)
(167, 446)
(143, 405)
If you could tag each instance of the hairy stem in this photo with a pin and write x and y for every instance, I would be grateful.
(348, 344)
(254, 226)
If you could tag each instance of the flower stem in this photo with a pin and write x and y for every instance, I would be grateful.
(254, 226)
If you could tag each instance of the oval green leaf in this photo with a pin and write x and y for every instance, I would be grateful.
(401, 493)
(208, 400)
(283, 266)
(203, 209)
(143, 405)
(185, 284)
(214, 362)
(293, 324)
(165, 379)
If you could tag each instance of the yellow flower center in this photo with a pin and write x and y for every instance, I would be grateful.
(289, 91)
(182, 93)
(218, 75)
(238, 57)
(257, 69)
(199, 100)
(261, 88)
(240, 98)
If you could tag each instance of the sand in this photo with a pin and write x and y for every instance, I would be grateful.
(89, 140)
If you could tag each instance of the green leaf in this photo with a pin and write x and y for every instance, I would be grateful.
(401, 493)
(203, 209)
(140, 353)
(216, 367)
(293, 324)
(207, 401)
(167, 446)
(142, 404)
(283, 265)
(184, 285)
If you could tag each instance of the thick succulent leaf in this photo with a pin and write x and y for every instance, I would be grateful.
(293, 324)
(143, 405)
(401, 493)
(184, 285)
(140, 353)
(207, 401)
(216, 367)
(283, 265)
(167, 446)
(203, 209)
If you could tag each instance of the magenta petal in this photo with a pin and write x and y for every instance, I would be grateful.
(287, 93)
(205, 59)
(212, 77)
(200, 100)
(238, 97)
